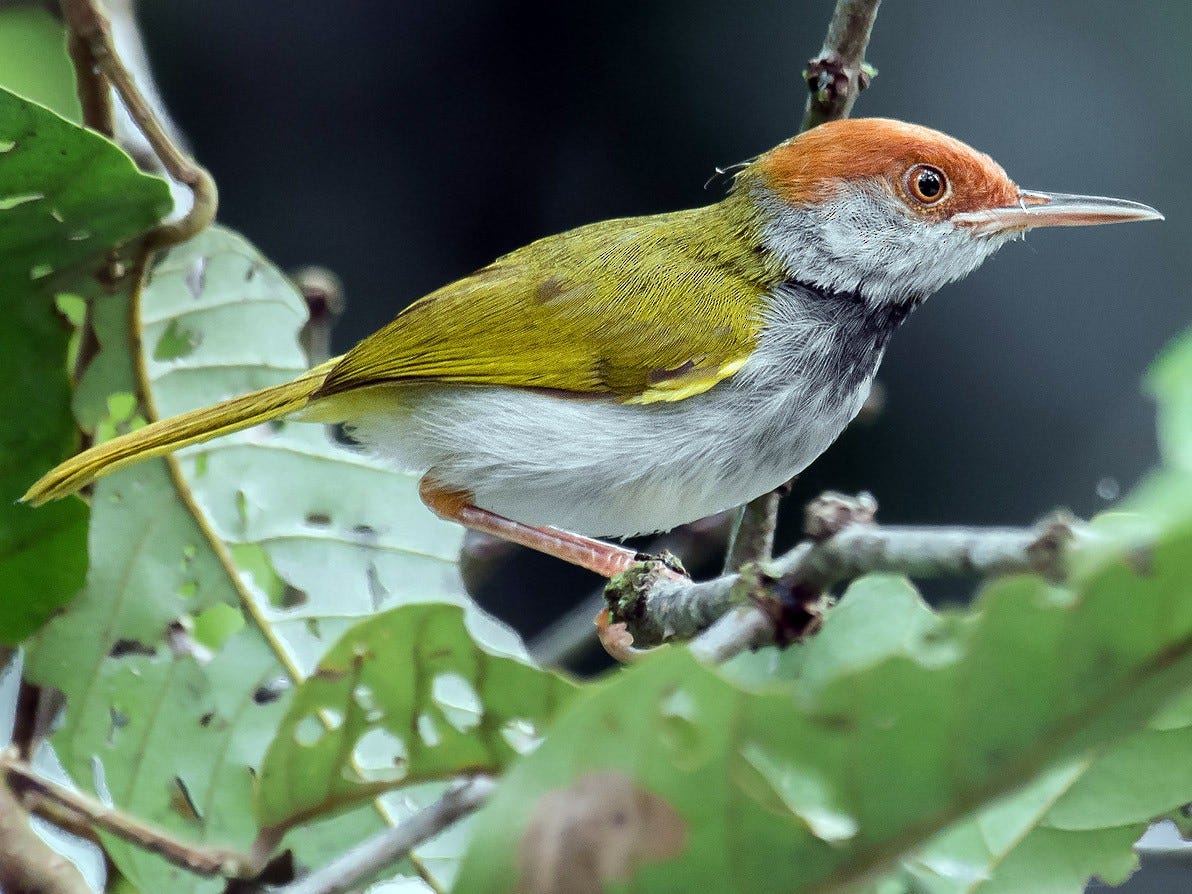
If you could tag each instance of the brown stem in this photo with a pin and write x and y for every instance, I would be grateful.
(200, 860)
(95, 95)
(27, 864)
(89, 28)
(838, 74)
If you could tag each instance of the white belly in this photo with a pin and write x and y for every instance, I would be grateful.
(603, 468)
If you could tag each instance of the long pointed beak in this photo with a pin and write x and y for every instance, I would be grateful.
(1054, 209)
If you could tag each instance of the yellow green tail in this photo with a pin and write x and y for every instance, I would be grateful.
(167, 435)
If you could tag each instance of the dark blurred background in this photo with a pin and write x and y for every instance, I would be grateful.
(403, 144)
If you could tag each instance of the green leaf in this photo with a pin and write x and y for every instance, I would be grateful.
(66, 196)
(1007, 852)
(903, 725)
(1077, 822)
(1169, 381)
(1144, 776)
(33, 59)
(356, 728)
(328, 537)
(883, 616)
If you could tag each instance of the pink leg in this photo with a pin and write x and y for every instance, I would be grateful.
(605, 559)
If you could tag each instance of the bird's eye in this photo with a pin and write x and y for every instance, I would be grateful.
(926, 184)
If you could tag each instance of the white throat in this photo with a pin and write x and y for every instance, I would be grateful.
(865, 241)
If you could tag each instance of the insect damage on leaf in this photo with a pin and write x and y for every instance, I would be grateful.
(597, 830)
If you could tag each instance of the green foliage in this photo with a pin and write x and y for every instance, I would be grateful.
(1170, 382)
(33, 59)
(66, 196)
(901, 724)
(355, 728)
(174, 659)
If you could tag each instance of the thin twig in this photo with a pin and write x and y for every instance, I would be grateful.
(752, 538)
(834, 78)
(95, 95)
(28, 864)
(89, 26)
(197, 859)
(130, 49)
(738, 631)
(61, 817)
(932, 552)
(388, 847)
(838, 73)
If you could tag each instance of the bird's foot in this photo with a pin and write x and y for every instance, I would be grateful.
(625, 594)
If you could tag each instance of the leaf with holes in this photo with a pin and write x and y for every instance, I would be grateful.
(402, 698)
(67, 195)
(901, 724)
(220, 576)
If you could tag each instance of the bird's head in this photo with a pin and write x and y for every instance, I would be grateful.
(894, 211)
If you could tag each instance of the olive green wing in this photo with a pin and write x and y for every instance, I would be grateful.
(642, 310)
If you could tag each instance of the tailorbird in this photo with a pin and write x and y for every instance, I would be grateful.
(636, 374)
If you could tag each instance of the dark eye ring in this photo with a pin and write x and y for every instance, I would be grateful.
(926, 184)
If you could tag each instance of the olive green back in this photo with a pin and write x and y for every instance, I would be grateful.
(638, 309)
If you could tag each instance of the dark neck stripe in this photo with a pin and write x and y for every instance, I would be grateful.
(877, 316)
(862, 329)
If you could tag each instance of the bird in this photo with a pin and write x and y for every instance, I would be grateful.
(636, 374)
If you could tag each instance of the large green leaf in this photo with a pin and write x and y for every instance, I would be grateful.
(356, 729)
(66, 196)
(901, 726)
(265, 546)
(33, 59)
(1078, 821)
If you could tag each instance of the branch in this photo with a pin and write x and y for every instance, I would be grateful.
(26, 862)
(93, 51)
(741, 630)
(200, 860)
(388, 847)
(838, 73)
(94, 91)
(130, 49)
(843, 544)
(752, 538)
